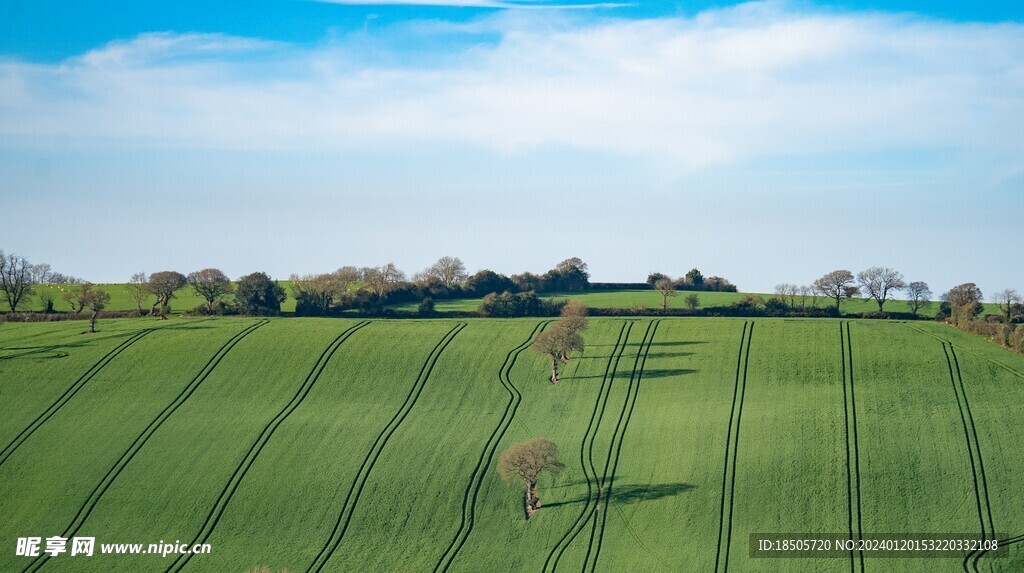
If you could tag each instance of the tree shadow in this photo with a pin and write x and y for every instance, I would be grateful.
(635, 493)
(667, 372)
(679, 343)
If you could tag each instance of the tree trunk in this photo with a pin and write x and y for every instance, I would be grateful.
(881, 301)
(664, 302)
(527, 505)
(554, 369)
(535, 499)
(92, 322)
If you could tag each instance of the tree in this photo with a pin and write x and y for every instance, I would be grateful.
(382, 279)
(77, 296)
(695, 279)
(163, 285)
(258, 295)
(1007, 299)
(15, 279)
(210, 284)
(136, 289)
(426, 306)
(449, 271)
(836, 285)
(964, 302)
(692, 301)
(574, 319)
(667, 288)
(570, 275)
(41, 273)
(95, 300)
(524, 462)
(556, 342)
(787, 293)
(486, 281)
(918, 296)
(653, 278)
(879, 282)
(316, 294)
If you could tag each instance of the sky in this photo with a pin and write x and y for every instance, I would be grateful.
(764, 142)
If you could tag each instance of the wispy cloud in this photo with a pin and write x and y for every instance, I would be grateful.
(720, 88)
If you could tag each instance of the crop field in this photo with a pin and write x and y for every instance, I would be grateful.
(370, 445)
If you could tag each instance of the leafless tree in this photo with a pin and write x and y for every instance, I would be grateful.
(449, 271)
(163, 285)
(918, 296)
(321, 291)
(556, 342)
(1007, 299)
(15, 279)
(210, 284)
(41, 274)
(805, 292)
(667, 288)
(95, 300)
(136, 289)
(836, 285)
(382, 279)
(880, 282)
(692, 301)
(524, 462)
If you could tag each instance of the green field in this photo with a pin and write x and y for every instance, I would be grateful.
(184, 300)
(352, 445)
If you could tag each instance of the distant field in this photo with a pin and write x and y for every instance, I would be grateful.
(185, 299)
(345, 445)
(652, 299)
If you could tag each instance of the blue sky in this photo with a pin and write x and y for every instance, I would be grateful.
(765, 142)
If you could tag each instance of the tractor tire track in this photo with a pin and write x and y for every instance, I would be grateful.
(853, 494)
(359, 482)
(976, 560)
(487, 455)
(635, 388)
(570, 535)
(736, 398)
(735, 449)
(68, 394)
(140, 441)
(213, 518)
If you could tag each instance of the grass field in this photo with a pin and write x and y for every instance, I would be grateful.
(345, 444)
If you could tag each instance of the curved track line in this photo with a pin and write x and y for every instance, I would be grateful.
(976, 561)
(484, 462)
(213, 518)
(559, 549)
(69, 393)
(140, 441)
(356, 489)
(622, 437)
(728, 446)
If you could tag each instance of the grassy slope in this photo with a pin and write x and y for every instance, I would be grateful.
(185, 299)
(47, 479)
(664, 505)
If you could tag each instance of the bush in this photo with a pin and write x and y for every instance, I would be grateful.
(506, 305)
(426, 307)
(256, 294)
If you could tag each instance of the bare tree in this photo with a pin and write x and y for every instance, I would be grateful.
(692, 301)
(382, 279)
(880, 282)
(163, 285)
(836, 285)
(15, 279)
(918, 296)
(41, 274)
(667, 287)
(556, 342)
(449, 271)
(210, 284)
(95, 300)
(805, 292)
(1007, 299)
(136, 289)
(524, 462)
(964, 302)
(318, 293)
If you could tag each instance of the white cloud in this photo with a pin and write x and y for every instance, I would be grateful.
(729, 85)
(496, 4)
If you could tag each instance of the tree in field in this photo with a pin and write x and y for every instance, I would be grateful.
(15, 279)
(210, 284)
(964, 302)
(574, 319)
(557, 342)
(258, 295)
(918, 296)
(667, 288)
(836, 285)
(880, 282)
(653, 278)
(163, 285)
(1007, 299)
(692, 301)
(524, 462)
(78, 296)
(136, 289)
(787, 293)
(382, 279)
(95, 300)
(316, 294)
(41, 273)
(449, 271)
